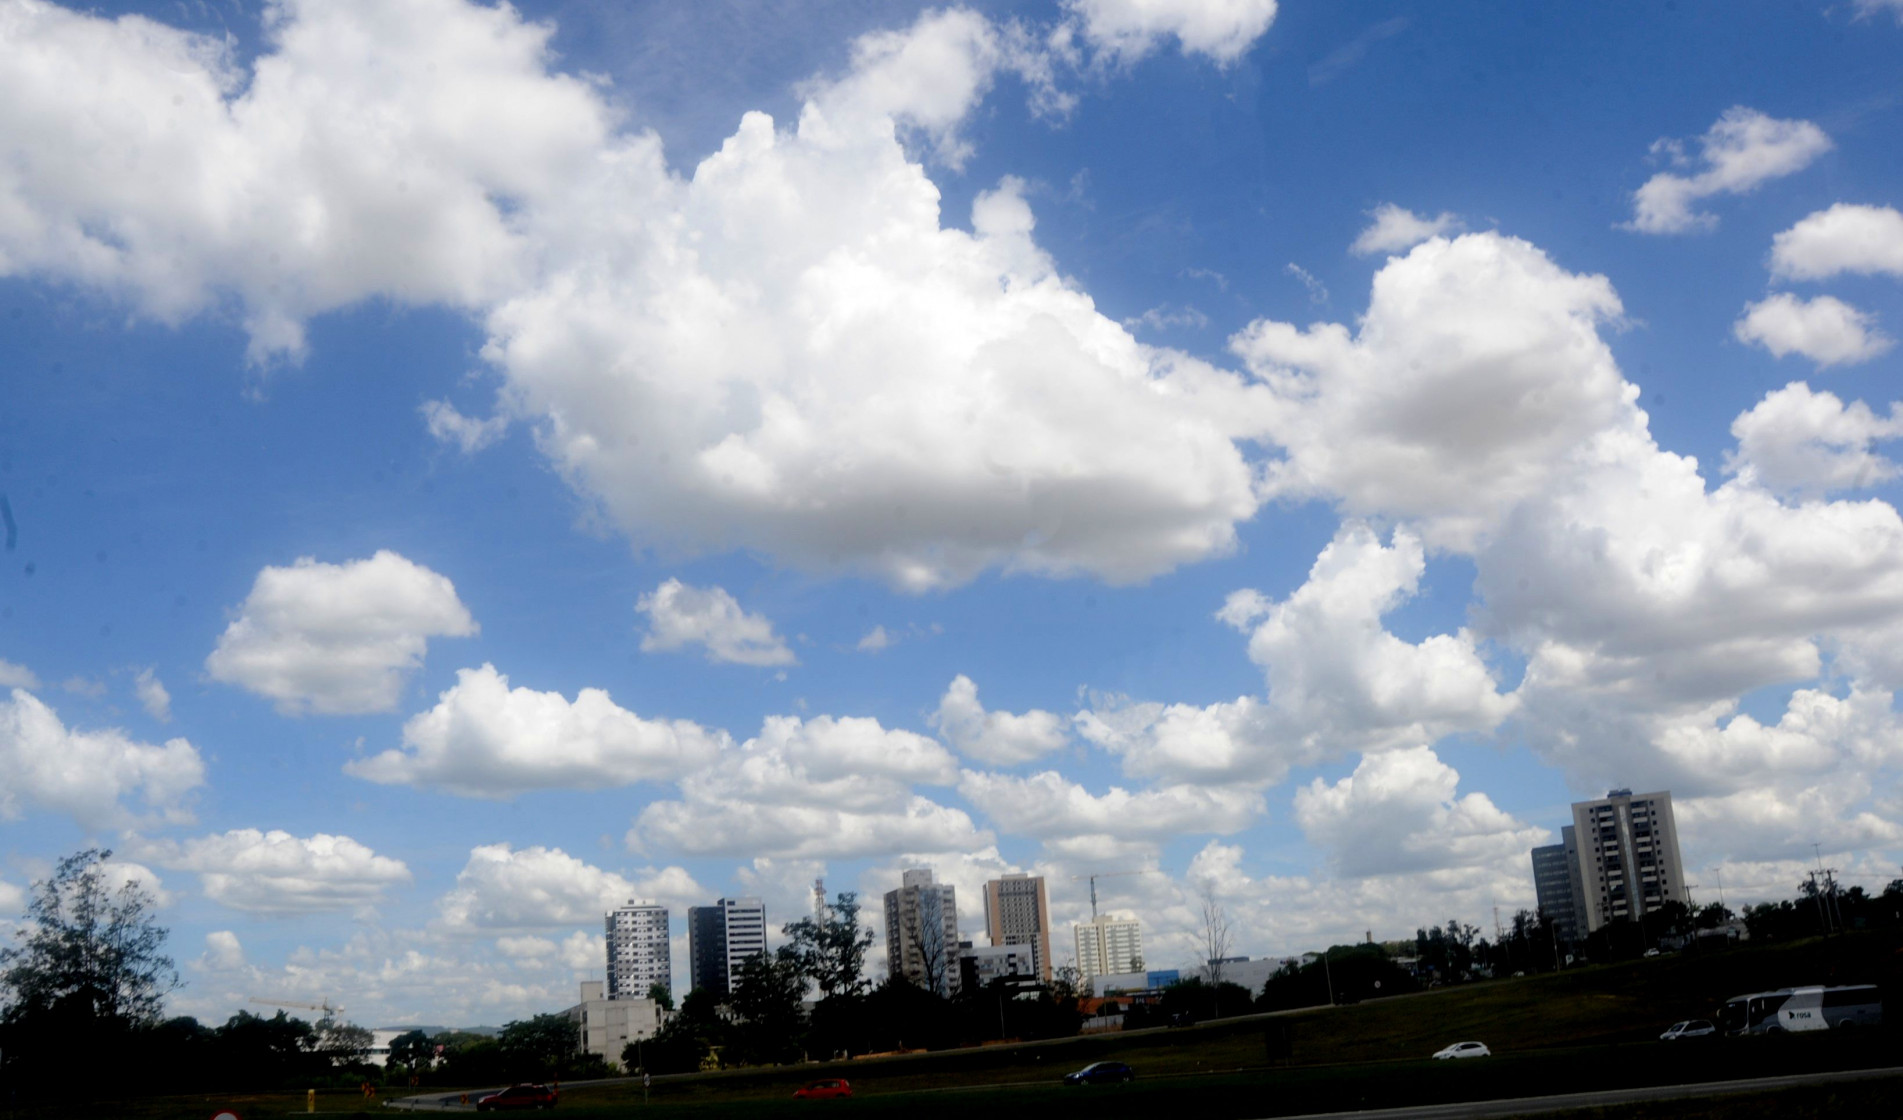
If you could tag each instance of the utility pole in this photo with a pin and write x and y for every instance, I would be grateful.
(1329, 974)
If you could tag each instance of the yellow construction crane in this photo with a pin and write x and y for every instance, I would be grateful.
(1096, 875)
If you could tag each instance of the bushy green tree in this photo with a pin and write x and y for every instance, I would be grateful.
(769, 1021)
(831, 950)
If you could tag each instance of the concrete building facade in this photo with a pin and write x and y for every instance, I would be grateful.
(921, 932)
(1108, 946)
(1556, 882)
(721, 936)
(607, 1026)
(1628, 860)
(979, 965)
(1018, 914)
(639, 953)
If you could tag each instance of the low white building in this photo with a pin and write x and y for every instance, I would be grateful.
(608, 1025)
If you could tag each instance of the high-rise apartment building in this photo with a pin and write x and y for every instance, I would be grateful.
(1628, 855)
(921, 932)
(721, 936)
(1017, 912)
(639, 956)
(1107, 946)
(1556, 882)
(1617, 860)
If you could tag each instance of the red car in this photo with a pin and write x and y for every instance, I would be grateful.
(517, 1096)
(823, 1090)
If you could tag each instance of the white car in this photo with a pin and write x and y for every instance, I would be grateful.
(1690, 1028)
(1465, 1050)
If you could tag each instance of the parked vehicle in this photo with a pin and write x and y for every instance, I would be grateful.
(1804, 1009)
(1097, 1073)
(1464, 1050)
(517, 1097)
(1689, 1028)
(830, 1089)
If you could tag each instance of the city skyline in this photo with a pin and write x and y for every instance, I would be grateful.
(466, 466)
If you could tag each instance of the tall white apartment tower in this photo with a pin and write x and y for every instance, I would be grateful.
(1017, 912)
(921, 932)
(1628, 856)
(1108, 946)
(638, 952)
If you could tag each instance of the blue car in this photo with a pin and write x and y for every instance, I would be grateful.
(1100, 1072)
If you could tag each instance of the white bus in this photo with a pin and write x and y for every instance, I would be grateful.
(1804, 1009)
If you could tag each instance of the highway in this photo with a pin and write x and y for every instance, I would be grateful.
(1531, 1106)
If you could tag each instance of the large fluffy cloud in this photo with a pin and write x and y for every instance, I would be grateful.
(1338, 681)
(94, 776)
(485, 739)
(1737, 154)
(503, 890)
(813, 789)
(337, 638)
(1824, 329)
(1845, 238)
(679, 615)
(277, 873)
(1399, 812)
(788, 350)
(1050, 806)
(1476, 372)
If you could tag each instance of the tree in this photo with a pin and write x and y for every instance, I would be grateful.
(412, 1050)
(766, 1004)
(1217, 939)
(87, 953)
(662, 998)
(830, 950)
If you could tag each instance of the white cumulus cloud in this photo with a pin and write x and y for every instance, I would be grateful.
(1395, 229)
(1400, 812)
(90, 775)
(813, 789)
(486, 739)
(1824, 329)
(503, 890)
(447, 425)
(1797, 440)
(337, 638)
(998, 738)
(1845, 238)
(152, 695)
(1049, 806)
(17, 676)
(277, 873)
(1222, 30)
(680, 616)
(1744, 149)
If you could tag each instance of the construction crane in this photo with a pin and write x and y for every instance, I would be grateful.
(331, 1011)
(1094, 876)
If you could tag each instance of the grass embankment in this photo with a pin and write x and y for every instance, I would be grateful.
(1588, 1028)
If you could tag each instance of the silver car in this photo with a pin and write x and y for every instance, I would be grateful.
(1465, 1050)
(1690, 1028)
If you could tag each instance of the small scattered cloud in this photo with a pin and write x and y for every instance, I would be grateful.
(1845, 238)
(1804, 442)
(875, 640)
(998, 738)
(89, 775)
(1396, 229)
(152, 695)
(1165, 317)
(1317, 291)
(276, 873)
(1825, 329)
(469, 434)
(1127, 30)
(1330, 66)
(1743, 150)
(680, 616)
(18, 676)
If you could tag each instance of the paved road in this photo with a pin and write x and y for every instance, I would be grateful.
(1466, 1110)
(1528, 1106)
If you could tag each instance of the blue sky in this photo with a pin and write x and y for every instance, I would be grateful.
(1290, 450)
